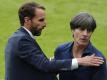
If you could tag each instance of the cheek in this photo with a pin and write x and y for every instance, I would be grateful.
(35, 24)
(76, 35)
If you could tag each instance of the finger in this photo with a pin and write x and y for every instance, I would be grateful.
(98, 58)
(95, 65)
(97, 61)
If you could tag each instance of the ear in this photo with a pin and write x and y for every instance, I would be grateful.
(26, 19)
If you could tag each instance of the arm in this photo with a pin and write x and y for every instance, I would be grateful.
(32, 54)
(29, 51)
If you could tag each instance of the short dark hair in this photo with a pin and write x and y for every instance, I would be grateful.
(28, 10)
(83, 20)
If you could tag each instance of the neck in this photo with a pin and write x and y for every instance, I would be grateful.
(78, 50)
(27, 26)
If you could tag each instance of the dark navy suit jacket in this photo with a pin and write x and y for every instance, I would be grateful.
(25, 60)
(64, 51)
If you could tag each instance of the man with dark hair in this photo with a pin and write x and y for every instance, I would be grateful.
(82, 26)
(25, 59)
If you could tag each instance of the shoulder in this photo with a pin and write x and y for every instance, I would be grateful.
(64, 46)
(61, 50)
(98, 52)
(15, 41)
(17, 37)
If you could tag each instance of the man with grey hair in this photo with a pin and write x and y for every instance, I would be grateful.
(82, 27)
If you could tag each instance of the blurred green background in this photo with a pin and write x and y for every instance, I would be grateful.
(58, 15)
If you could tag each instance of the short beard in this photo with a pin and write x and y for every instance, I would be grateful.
(35, 31)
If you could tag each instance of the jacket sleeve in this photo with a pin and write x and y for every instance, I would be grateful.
(32, 54)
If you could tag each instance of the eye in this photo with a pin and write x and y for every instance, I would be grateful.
(81, 29)
(41, 20)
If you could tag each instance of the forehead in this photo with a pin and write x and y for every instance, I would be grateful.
(39, 13)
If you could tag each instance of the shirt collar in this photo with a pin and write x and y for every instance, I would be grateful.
(88, 50)
(28, 32)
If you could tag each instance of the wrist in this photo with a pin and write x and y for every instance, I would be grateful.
(79, 61)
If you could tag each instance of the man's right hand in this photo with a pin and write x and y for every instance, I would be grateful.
(90, 61)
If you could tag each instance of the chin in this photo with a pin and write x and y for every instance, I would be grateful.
(82, 44)
(37, 34)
